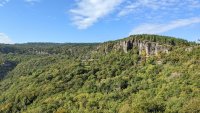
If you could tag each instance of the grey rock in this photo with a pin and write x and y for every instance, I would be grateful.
(189, 49)
(144, 47)
(150, 48)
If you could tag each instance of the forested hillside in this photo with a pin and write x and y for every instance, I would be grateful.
(137, 74)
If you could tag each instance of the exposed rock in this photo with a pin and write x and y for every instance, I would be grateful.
(162, 49)
(159, 62)
(127, 45)
(41, 52)
(189, 49)
(175, 75)
(149, 48)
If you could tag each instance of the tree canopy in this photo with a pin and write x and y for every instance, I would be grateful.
(75, 78)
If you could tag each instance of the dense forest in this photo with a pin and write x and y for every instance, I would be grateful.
(137, 74)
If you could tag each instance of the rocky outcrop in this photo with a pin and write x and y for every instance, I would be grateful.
(189, 49)
(147, 48)
(126, 45)
(144, 47)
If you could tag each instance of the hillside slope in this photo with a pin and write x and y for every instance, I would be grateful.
(138, 74)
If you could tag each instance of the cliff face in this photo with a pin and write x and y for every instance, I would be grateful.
(150, 48)
(144, 47)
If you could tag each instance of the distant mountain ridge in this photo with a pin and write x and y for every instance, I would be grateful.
(152, 44)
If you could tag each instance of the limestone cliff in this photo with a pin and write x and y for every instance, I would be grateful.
(150, 48)
(146, 46)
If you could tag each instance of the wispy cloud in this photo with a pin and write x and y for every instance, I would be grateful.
(32, 2)
(5, 39)
(3, 2)
(88, 12)
(161, 28)
(158, 5)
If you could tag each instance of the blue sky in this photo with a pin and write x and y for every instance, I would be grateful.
(62, 21)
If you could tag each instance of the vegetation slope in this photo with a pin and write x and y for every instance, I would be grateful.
(76, 78)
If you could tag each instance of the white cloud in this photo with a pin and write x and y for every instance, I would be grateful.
(164, 5)
(88, 12)
(5, 39)
(3, 2)
(161, 28)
